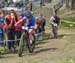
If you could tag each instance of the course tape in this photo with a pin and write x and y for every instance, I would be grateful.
(9, 40)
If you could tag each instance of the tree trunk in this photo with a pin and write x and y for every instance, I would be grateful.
(67, 3)
(71, 4)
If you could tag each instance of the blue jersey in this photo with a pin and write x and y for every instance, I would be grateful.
(1, 21)
(29, 21)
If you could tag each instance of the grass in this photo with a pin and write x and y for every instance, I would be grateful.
(71, 19)
(68, 25)
(63, 16)
(69, 60)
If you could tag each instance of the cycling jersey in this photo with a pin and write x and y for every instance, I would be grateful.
(30, 22)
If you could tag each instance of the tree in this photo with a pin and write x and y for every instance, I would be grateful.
(72, 4)
(67, 3)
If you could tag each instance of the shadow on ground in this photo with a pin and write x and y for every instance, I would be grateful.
(44, 50)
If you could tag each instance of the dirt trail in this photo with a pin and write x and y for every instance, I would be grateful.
(48, 51)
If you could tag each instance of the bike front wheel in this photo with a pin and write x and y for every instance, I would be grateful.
(21, 44)
(31, 46)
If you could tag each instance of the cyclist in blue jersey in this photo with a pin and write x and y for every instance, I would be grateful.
(30, 23)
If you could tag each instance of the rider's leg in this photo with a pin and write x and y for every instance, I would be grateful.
(56, 31)
(53, 30)
(30, 35)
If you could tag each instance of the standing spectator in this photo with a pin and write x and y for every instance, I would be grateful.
(19, 27)
(11, 20)
(2, 21)
(42, 22)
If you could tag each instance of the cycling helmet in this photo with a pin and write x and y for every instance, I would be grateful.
(28, 14)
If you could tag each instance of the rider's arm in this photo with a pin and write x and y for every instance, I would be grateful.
(20, 21)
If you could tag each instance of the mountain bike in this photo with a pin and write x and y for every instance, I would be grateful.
(26, 40)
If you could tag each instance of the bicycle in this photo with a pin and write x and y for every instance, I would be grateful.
(25, 40)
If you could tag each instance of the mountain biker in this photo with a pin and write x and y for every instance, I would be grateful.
(11, 19)
(55, 21)
(2, 21)
(30, 23)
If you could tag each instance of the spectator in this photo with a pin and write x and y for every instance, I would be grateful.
(42, 22)
(19, 27)
(2, 21)
(11, 19)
